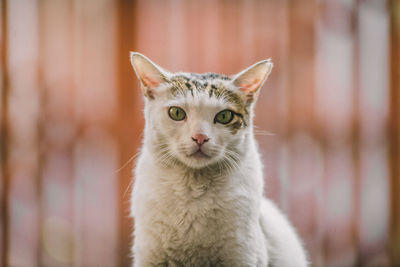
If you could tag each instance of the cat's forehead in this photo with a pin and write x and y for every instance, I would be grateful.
(210, 87)
(190, 82)
(199, 77)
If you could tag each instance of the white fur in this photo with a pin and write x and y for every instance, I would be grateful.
(194, 212)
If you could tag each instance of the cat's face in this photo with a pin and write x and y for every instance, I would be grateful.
(197, 127)
(198, 119)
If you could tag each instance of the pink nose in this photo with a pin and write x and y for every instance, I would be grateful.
(200, 138)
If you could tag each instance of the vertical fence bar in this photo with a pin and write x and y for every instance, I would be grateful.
(337, 131)
(303, 190)
(355, 133)
(301, 54)
(56, 91)
(40, 130)
(4, 140)
(129, 128)
(373, 34)
(394, 133)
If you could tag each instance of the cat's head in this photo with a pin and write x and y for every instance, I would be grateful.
(198, 119)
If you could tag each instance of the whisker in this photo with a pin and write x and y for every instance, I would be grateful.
(260, 132)
(128, 161)
(129, 186)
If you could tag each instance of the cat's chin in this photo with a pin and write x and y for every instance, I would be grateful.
(198, 155)
(198, 160)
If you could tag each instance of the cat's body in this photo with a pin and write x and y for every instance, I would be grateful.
(198, 193)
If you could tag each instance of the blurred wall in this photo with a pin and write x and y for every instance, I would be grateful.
(71, 116)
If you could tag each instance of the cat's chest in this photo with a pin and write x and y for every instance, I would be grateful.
(195, 213)
(192, 219)
(196, 208)
(195, 227)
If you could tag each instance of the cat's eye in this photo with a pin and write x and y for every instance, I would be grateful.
(224, 117)
(176, 113)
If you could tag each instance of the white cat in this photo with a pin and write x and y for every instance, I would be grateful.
(198, 193)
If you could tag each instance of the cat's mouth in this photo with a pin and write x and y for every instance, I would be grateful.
(199, 155)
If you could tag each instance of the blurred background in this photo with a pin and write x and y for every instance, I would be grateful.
(328, 119)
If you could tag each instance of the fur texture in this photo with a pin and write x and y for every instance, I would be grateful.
(201, 203)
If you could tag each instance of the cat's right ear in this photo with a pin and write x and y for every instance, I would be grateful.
(150, 75)
(250, 80)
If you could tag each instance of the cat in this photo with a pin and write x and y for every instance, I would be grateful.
(197, 198)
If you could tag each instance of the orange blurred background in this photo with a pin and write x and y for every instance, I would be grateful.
(328, 119)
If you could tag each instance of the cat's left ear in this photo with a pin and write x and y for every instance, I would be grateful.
(150, 75)
(250, 80)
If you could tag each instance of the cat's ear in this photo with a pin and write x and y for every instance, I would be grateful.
(150, 75)
(250, 80)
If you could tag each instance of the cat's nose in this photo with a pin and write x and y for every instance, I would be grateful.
(200, 138)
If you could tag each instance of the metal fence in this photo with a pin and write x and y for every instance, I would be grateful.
(328, 119)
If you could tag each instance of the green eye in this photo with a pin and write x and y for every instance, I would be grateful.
(224, 117)
(177, 114)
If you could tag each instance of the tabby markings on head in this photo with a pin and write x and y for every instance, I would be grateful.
(211, 83)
